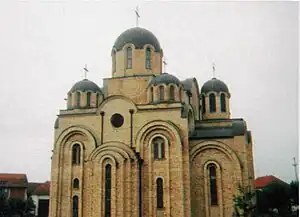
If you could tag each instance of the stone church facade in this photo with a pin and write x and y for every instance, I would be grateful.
(147, 144)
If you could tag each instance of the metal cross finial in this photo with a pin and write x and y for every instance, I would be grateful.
(214, 70)
(165, 65)
(85, 71)
(137, 15)
(295, 168)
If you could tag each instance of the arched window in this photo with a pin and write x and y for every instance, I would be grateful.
(97, 99)
(75, 206)
(114, 61)
(151, 94)
(223, 102)
(88, 99)
(148, 58)
(158, 148)
(107, 205)
(213, 184)
(129, 58)
(78, 95)
(159, 193)
(180, 97)
(203, 104)
(212, 102)
(76, 154)
(172, 94)
(161, 93)
(76, 183)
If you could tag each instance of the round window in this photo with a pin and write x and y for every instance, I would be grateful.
(117, 120)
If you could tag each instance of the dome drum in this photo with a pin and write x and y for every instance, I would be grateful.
(84, 94)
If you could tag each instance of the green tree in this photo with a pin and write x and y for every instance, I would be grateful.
(21, 208)
(294, 192)
(4, 208)
(244, 202)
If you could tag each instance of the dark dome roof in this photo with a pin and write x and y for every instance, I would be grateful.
(85, 85)
(137, 36)
(165, 78)
(215, 85)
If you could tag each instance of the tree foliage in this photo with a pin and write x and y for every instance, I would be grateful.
(16, 207)
(244, 202)
(294, 192)
(275, 200)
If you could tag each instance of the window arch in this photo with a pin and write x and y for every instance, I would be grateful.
(203, 104)
(76, 183)
(161, 93)
(75, 206)
(78, 96)
(212, 102)
(158, 148)
(159, 193)
(114, 61)
(148, 58)
(213, 193)
(76, 154)
(88, 99)
(129, 58)
(172, 92)
(107, 201)
(223, 102)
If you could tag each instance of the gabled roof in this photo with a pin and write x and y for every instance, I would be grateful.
(13, 180)
(264, 181)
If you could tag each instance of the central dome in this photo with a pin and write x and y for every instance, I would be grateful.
(137, 36)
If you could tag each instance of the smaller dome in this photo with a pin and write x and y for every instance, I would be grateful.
(165, 78)
(85, 85)
(137, 36)
(215, 85)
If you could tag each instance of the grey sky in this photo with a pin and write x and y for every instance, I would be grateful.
(45, 44)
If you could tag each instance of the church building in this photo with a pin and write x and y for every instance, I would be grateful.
(147, 144)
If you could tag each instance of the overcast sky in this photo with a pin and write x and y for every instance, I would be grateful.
(45, 44)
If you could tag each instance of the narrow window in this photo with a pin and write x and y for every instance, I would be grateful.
(148, 58)
(180, 90)
(172, 94)
(155, 150)
(107, 205)
(213, 184)
(158, 148)
(75, 183)
(129, 57)
(76, 154)
(161, 93)
(78, 95)
(151, 94)
(97, 99)
(212, 102)
(203, 104)
(88, 99)
(75, 206)
(114, 61)
(223, 102)
(159, 193)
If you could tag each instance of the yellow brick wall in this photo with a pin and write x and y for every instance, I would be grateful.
(183, 169)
